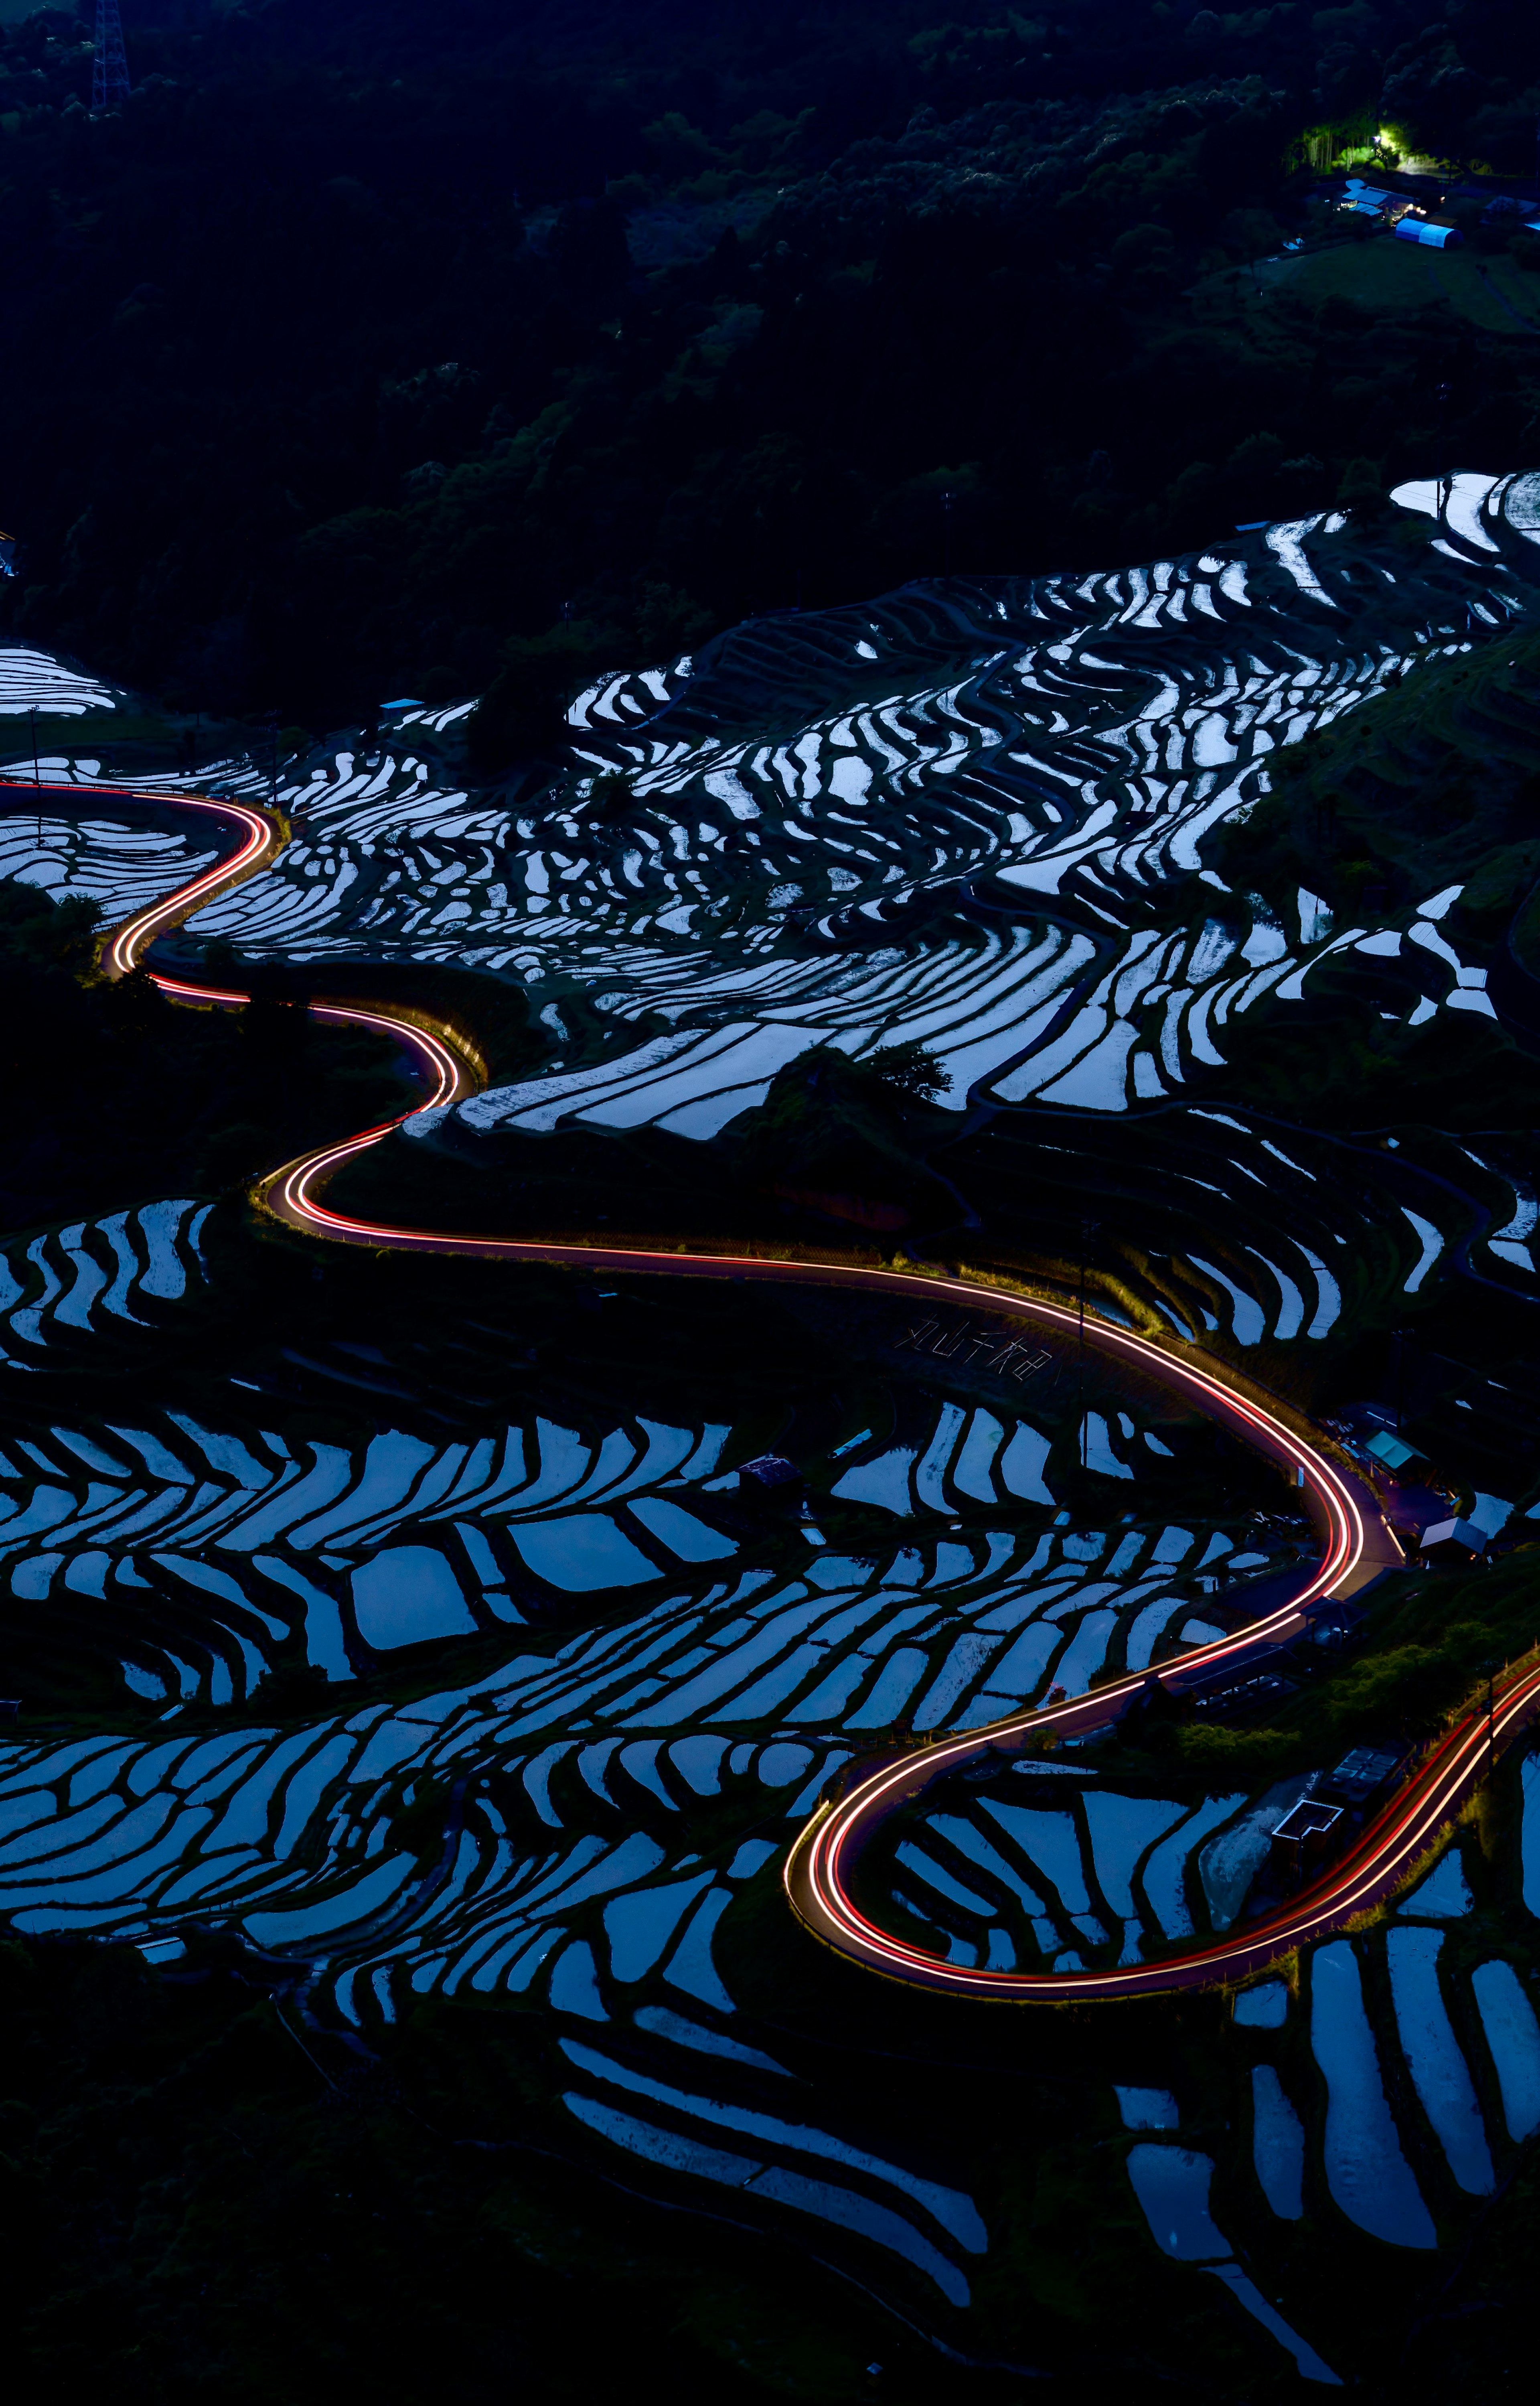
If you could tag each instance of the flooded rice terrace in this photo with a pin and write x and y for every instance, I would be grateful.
(519, 1560)
(460, 1647)
(477, 1658)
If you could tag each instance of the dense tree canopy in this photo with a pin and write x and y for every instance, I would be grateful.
(394, 348)
(127, 1090)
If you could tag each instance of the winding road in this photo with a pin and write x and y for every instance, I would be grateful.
(823, 1870)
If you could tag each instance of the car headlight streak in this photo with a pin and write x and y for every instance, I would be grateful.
(825, 1859)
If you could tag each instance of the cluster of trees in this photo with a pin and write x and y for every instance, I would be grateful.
(377, 349)
(116, 1096)
(1430, 1646)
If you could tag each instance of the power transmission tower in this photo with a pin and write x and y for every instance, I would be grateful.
(109, 85)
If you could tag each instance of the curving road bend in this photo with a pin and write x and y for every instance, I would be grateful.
(823, 1869)
(263, 838)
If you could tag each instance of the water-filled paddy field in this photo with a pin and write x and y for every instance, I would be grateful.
(414, 1640)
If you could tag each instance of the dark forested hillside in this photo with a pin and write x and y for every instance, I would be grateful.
(770, 1501)
(418, 347)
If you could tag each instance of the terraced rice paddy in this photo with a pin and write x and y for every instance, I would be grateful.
(95, 861)
(36, 681)
(1073, 742)
(424, 1705)
(601, 1797)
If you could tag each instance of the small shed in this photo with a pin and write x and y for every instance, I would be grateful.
(1436, 237)
(1304, 1835)
(1362, 1773)
(1390, 1451)
(1453, 1542)
(772, 1485)
(772, 1470)
(1369, 200)
(1227, 1694)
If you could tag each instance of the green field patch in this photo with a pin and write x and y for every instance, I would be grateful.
(1398, 278)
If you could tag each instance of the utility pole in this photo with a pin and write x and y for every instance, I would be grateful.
(1446, 484)
(1088, 1229)
(35, 778)
(109, 83)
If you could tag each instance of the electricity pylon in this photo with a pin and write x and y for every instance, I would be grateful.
(109, 85)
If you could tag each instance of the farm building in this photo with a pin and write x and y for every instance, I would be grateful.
(1436, 237)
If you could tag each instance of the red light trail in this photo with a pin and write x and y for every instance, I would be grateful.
(824, 1858)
